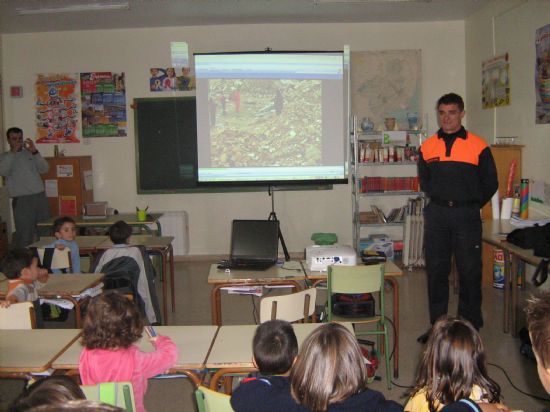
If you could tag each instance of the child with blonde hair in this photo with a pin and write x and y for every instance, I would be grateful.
(453, 367)
(111, 328)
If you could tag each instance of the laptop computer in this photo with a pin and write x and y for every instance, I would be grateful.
(254, 245)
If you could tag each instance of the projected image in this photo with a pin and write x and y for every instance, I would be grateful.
(261, 122)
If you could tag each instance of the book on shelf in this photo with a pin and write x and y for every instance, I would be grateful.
(381, 215)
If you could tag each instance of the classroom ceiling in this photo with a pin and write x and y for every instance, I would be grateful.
(155, 13)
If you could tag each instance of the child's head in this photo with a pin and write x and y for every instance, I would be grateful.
(538, 323)
(20, 263)
(120, 232)
(64, 228)
(453, 362)
(329, 368)
(275, 347)
(84, 405)
(112, 321)
(51, 390)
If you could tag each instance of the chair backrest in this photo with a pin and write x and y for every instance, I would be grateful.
(292, 307)
(53, 258)
(113, 393)
(18, 316)
(212, 401)
(356, 280)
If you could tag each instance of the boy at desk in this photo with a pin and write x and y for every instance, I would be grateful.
(64, 230)
(25, 278)
(275, 348)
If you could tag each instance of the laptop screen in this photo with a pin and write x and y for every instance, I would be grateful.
(254, 240)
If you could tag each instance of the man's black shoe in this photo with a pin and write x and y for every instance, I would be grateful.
(424, 337)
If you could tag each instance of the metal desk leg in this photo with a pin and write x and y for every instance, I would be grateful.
(395, 288)
(506, 308)
(514, 262)
(172, 287)
(164, 288)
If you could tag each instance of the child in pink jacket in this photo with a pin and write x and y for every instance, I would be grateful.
(111, 327)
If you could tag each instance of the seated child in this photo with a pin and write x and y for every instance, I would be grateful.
(538, 323)
(25, 278)
(453, 367)
(274, 347)
(111, 328)
(48, 391)
(120, 233)
(64, 229)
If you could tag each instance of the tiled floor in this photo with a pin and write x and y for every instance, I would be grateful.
(193, 308)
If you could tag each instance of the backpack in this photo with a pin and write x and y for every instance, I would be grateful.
(536, 238)
(353, 305)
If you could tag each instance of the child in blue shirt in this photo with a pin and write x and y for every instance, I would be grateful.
(64, 229)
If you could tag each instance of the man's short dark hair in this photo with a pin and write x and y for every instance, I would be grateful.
(58, 223)
(15, 261)
(13, 130)
(119, 232)
(451, 98)
(275, 346)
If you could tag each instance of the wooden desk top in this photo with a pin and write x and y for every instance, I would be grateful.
(91, 243)
(33, 350)
(233, 345)
(84, 242)
(193, 344)
(62, 284)
(494, 233)
(275, 274)
(130, 218)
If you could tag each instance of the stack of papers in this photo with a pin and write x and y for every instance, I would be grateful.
(67, 304)
(244, 290)
(516, 221)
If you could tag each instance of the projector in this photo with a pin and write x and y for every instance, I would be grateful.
(319, 257)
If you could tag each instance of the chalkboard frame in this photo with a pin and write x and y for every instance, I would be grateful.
(194, 187)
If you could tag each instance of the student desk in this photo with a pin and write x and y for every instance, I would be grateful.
(275, 275)
(390, 272)
(33, 350)
(494, 234)
(104, 222)
(63, 286)
(232, 348)
(193, 344)
(160, 245)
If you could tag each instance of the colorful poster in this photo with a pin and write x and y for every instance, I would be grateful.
(542, 74)
(103, 98)
(67, 206)
(164, 80)
(495, 82)
(56, 109)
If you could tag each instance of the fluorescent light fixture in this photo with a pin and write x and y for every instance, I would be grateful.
(76, 8)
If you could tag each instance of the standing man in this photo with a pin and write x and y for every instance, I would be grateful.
(22, 167)
(457, 172)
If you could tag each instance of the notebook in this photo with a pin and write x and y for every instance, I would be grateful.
(254, 244)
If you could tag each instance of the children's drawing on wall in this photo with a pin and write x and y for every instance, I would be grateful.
(103, 96)
(164, 80)
(56, 109)
(495, 82)
(542, 74)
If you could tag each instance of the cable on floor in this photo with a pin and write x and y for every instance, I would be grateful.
(540, 398)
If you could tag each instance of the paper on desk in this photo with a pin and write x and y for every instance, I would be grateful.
(516, 221)
(67, 304)
(244, 290)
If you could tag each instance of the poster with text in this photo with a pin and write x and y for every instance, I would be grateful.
(103, 98)
(56, 108)
(495, 82)
(542, 75)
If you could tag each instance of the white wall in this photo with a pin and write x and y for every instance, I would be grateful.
(135, 51)
(514, 24)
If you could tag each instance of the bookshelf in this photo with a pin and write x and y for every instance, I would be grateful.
(384, 176)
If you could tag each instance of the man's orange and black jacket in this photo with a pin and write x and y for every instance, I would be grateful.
(458, 168)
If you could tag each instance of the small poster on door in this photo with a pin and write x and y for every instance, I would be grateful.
(65, 171)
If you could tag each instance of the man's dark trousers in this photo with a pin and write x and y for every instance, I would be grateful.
(454, 231)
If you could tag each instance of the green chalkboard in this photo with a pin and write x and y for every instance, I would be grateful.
(166, 149)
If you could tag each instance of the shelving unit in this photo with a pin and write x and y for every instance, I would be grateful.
(360, 170)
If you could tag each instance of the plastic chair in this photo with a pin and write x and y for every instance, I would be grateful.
(212, 401)
(356, 280)
(18, 316)
(113, 393)
(293, 307)
(53, 258)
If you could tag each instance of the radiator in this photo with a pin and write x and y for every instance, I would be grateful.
(176, 224)
(413, 248)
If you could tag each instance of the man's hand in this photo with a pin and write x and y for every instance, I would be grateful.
(29, 145)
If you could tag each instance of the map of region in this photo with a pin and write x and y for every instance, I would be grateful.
(386, 84)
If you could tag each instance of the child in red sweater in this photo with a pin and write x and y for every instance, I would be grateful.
(111, 328)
